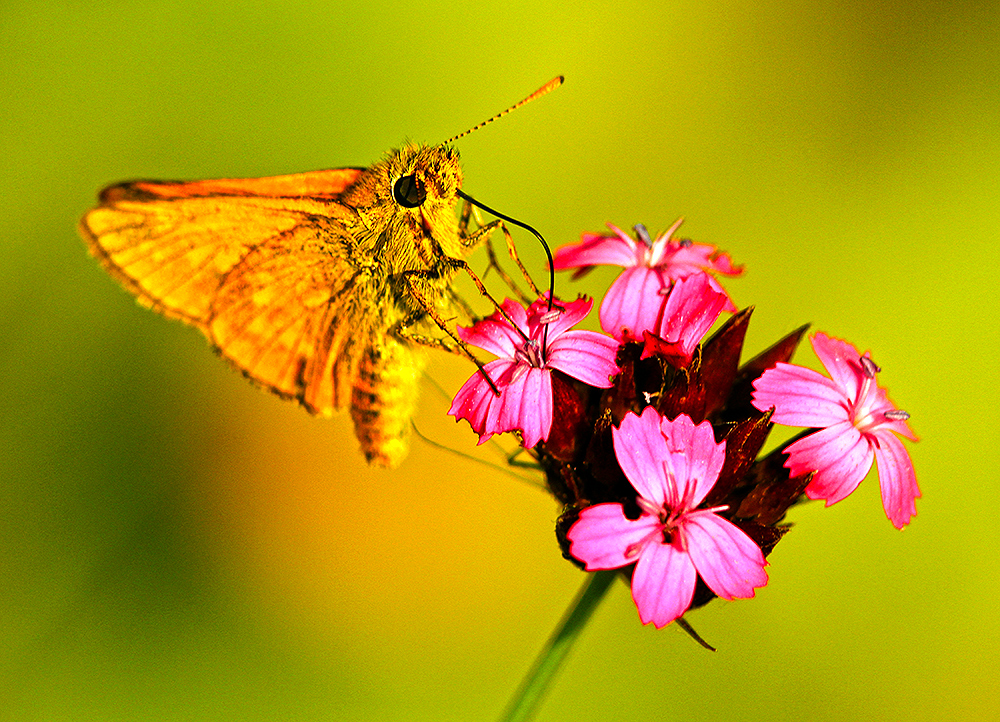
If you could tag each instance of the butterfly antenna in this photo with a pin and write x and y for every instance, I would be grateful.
(544, 90)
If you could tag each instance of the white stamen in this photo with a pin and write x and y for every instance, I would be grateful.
(673, 229)
(716, 508)
(550, 316)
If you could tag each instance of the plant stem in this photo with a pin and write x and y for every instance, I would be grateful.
(529, 695)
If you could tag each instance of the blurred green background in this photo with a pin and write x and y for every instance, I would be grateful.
(175, 545)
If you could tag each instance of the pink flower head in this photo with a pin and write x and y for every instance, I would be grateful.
(691, 307)
(673, 465)
(635, 301)
(857, 423)
(523, 373)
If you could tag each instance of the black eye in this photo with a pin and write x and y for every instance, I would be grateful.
(409, 192)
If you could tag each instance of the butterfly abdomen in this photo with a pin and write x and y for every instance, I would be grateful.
(382, 401)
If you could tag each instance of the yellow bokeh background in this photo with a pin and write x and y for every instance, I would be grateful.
(175, 545)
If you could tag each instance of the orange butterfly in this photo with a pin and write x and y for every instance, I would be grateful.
(315, 285)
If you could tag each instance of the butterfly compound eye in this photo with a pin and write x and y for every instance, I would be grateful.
(409, 192)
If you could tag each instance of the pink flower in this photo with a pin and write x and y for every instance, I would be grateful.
(857, 423)
(673, 465)
(523, 373)
(691, 307)
(636, 299)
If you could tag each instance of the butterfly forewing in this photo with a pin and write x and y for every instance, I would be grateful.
(262, 271)
(296, 279)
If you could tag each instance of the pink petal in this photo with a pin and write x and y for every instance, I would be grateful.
(641, 449)
(841, 361)
(572, 313)
(681, 261)
(597, 250)
(476, 403)
(729, 561)
(585, 355)
(692, 307)
(634, 302)
(718, 262)
(602, 535)
(495, 334)
(800, 396)
(662, 584)
(526, 404)
(896, 479)
(693, 463)
(840, 456)
(684, 259)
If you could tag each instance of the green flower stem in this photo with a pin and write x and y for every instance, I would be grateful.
(529, 695)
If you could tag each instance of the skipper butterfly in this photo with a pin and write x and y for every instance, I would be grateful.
(316, 286)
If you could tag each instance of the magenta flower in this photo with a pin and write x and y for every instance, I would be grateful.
(636, 299)
(691, 306)
(523, 373)
(857, 423)
(673, 465)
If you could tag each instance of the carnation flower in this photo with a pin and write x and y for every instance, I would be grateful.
(673, 465)
(635, 302)
(523, 373)
(857, 425)
(691, 306)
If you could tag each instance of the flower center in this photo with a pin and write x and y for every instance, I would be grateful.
(530, 354)
(662, 532)
(532, 351)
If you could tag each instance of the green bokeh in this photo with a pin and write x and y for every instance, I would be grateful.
(178, 546)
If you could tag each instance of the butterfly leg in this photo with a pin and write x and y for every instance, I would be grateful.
(494, 264)
(456, 264)
(512, 250)
(413, 280)
(402, 329)
(463, 220)
(481, 236)
(474, 239)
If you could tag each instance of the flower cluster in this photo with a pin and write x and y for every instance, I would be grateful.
(650, 435)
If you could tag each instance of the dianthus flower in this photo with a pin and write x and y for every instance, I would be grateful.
(688, 311)
(636, 299)
(523, 373)
(673, 465)
(857, 424)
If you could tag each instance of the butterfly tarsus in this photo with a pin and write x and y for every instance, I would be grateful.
(512, 251)
(494, 265)
(412, 279)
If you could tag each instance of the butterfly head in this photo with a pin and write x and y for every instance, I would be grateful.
(424, 176)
